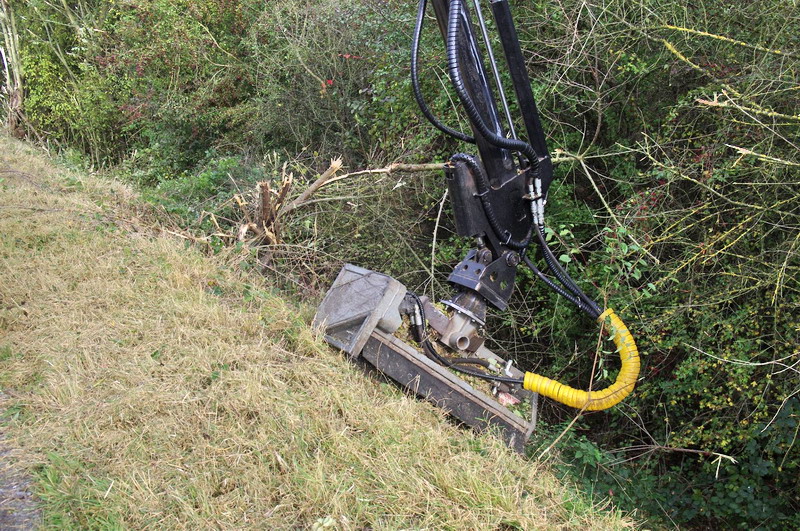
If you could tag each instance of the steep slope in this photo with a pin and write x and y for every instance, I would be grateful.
(150, 386)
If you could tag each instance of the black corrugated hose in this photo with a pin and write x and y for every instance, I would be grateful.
(415, 80)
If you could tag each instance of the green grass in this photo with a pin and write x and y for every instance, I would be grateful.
(75, 498)
(164, 389)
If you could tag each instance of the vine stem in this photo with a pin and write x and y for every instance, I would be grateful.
(582, 161)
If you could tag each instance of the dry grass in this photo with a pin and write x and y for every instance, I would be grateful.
(146, 393)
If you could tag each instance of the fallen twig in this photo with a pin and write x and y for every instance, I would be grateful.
(391, 168)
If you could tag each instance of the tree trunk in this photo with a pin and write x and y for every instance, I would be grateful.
(12, 67)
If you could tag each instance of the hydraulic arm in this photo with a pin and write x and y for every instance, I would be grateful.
(498, 194)
(499, 199)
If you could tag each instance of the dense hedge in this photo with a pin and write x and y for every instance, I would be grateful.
(677, 193)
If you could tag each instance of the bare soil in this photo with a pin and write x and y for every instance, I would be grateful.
(18, 507)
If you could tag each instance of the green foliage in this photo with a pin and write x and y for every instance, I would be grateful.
(69, 98)
(721, 492)
(45, 104)
(194, 197)
(167, 81)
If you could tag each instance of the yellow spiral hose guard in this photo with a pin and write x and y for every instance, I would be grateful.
(605, 398)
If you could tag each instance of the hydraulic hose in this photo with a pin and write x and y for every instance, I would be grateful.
(415, 80)
(469, 106)
(562, 276)
(558, 289)
(483, 190)
(605, 398)
(536, 383)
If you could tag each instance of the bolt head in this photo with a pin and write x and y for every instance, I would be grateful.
(512, 259)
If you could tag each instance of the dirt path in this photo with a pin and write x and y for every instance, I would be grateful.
(18, 508)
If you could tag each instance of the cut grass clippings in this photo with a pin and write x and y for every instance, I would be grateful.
(152, 387)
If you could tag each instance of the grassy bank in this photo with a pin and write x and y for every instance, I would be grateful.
(151, 386)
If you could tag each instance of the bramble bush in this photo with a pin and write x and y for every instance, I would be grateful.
(693, 236)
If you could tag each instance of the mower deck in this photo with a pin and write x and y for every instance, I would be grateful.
(360, 314)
